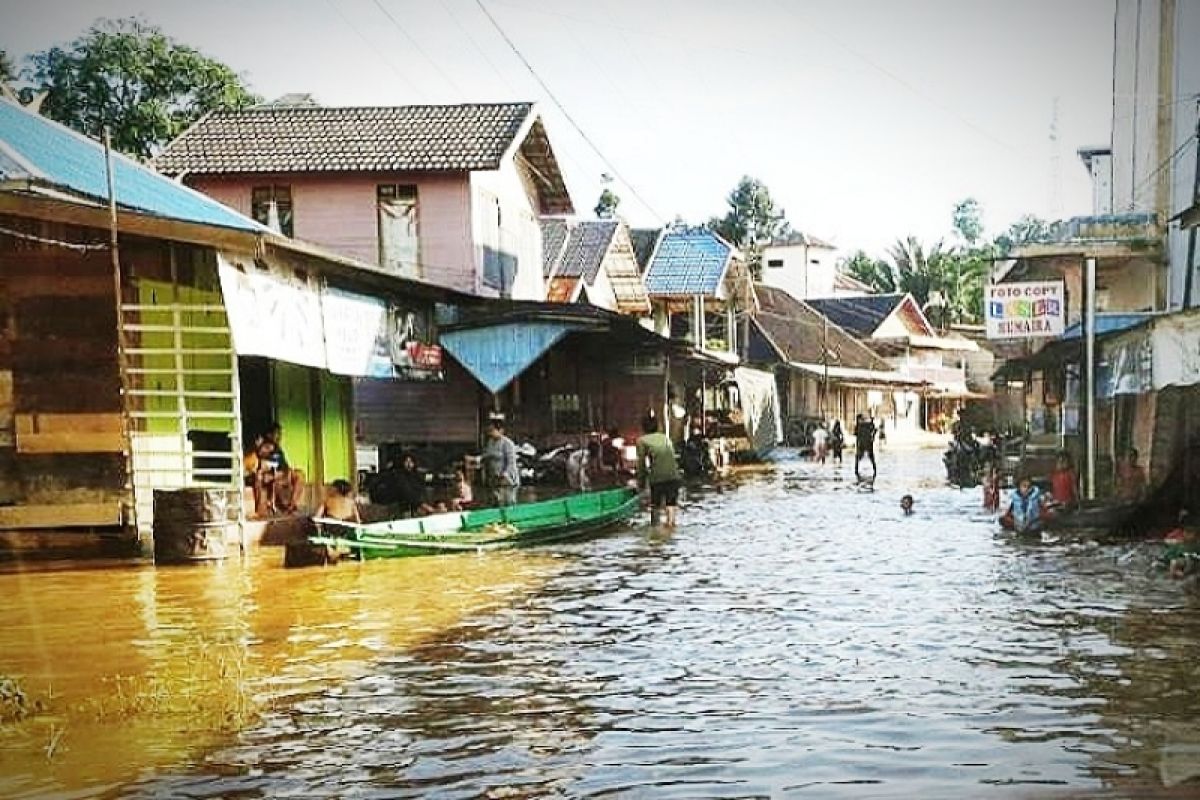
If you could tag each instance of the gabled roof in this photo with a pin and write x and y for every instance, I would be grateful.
(575, 252)
(797, 332)
(40, 152)
(862, 316)
(644, 241)
(586, 245)
(292, 138)
(688, 261)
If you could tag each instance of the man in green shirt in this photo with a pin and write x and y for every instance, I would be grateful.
(658, 470)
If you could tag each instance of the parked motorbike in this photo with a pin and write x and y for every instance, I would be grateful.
(965, 460)
(545, 467)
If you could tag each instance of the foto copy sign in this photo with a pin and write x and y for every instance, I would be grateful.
(1025, 310)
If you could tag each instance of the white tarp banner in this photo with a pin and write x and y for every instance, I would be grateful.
(1176, 350)
(1025, 310)
(272, 312)
(760, 408)
(352, 327)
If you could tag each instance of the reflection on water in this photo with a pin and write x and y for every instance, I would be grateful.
(796, 636)
(144, 667)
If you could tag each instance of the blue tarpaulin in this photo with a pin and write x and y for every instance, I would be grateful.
(497, 354)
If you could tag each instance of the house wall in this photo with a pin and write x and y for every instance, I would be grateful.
(806, 271)
(60, 402)
(339, 212)
(1101, 172)
(1183, 169)
(510, 193)
(600, 292)
(402, 412)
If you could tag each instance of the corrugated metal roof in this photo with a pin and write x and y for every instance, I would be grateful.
(497, 354)
(859, 315)
(688, 262)
(71, 161)
(1109, 322)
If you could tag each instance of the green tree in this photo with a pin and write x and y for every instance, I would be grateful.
(874, 272)
(130, 76)
(752, 221)
(1026, 230)
(606, 206)
(968, 221)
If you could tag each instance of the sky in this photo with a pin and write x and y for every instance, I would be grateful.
(867, 119)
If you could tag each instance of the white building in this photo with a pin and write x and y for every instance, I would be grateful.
(804, 267)
(1156, 102)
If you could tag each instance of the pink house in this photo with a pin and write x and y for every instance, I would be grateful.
(450, 195)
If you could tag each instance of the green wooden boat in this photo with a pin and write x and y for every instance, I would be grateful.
(521, 525)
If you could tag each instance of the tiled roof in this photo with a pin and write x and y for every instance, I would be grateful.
(796, 330)
(585, 248)
(859, 315)
(688, 262)
(317, 139)
(38, 149)
(644, 241)
(554, 239)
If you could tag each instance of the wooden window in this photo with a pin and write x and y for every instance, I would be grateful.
(263, 198)
(399, 243)
(566, 413)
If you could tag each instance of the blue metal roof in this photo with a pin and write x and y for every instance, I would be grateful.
(687, 263)
(72, 161)
(1109, 322)
(497, 354)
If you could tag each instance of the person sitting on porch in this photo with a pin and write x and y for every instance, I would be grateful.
(1131, 478)
(339, 503)
(287, 483)
(1064, 484)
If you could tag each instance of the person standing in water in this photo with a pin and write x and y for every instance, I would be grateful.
(658, 471)
(864, 445)
(837, 441)
(500, 465)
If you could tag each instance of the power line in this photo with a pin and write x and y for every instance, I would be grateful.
(454, 18)
(417, 46)
(558, 104)
(1143, 184)
(382, 57)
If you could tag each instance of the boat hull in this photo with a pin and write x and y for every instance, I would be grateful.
(525, 525)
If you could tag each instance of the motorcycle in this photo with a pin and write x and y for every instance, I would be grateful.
(964, 460)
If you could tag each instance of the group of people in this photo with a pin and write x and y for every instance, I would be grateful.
(831, 443)
(1030, 506)
(277, 487)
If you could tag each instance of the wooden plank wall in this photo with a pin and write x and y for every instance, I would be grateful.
(418, 413)
(58, 365)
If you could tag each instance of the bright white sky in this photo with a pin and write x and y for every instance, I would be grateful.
(868, 119)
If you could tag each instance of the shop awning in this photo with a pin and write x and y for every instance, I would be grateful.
(496, 354)
(852, 375)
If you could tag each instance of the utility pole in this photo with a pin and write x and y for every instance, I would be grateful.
(825, 363)
(1089, 371)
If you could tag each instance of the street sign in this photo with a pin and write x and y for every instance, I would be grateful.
(1025, 310)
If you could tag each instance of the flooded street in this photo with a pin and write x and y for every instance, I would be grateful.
(796, 636)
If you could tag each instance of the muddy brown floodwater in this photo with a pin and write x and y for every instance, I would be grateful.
(796, 636)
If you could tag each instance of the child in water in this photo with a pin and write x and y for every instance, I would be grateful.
(906, 505)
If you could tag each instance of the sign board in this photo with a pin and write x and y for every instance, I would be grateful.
(272, 312)
(352, 325)
(1025, 310)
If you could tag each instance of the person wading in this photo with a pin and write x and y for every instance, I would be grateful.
(864, 445)
(658, 471)
(500, 463)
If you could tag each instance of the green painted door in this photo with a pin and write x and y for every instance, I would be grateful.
(292, 390)
(337, 432)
